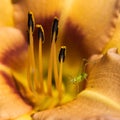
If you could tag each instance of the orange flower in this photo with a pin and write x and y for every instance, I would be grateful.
(85, 30)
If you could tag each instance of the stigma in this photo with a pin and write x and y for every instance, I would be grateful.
(36, 82)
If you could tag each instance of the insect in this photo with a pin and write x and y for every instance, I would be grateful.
(82, 75)
(79, 78)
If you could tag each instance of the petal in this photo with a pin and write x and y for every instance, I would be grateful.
(11, 103)
(103, 117)
(101, 95)
(6, 13)
(13, 53)
(93, 27)
(87, 27)
(115, 39)
(105, 71)
(13, 48)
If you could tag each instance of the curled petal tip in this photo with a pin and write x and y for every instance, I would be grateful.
(113, 50)
(112, 54)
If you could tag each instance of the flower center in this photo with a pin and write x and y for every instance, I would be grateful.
(51, 91)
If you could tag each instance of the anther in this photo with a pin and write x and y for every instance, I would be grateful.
(62, 54)
(61, 60)
(55, 28)
(40, 33)
(31, 23)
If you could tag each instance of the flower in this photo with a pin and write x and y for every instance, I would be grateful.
(90, 32)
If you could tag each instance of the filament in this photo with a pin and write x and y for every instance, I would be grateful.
(53, 58)
(60, 81)
(31, 48)
(49, 81)
(54, 39)
(28, 71)
(61, 60)
(41, 40)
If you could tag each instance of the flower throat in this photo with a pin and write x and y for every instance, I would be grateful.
(56, 89)
(37, 85)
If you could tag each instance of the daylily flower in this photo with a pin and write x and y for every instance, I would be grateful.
(85, 30)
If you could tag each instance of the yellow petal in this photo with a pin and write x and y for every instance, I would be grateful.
(11, 103)
(115, 39)
(24, 117)
(86, 28)
(93, 21)
(6, 13)
(13, 53)
(13, 48)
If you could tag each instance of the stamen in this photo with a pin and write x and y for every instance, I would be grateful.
(61, 60)
(53, 57)
(54, 39)
(31, 45)
(41, 40)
